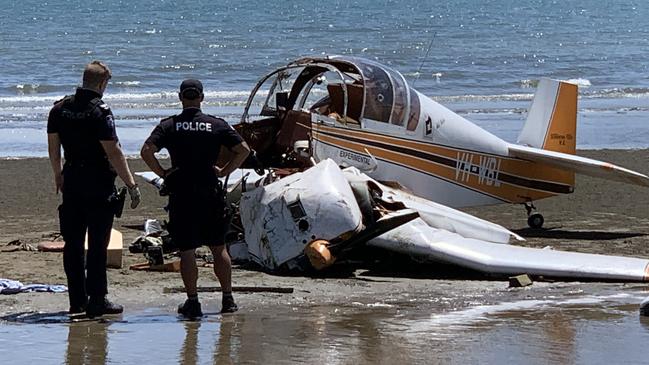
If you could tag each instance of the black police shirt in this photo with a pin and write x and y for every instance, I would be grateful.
(193, 140)
(81, 123)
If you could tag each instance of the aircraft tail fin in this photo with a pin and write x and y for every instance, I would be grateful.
(552, 119)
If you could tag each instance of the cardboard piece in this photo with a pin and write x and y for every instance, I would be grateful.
(173, 266)
(115, 247)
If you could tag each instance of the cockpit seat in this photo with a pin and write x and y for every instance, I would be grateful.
(354, 100)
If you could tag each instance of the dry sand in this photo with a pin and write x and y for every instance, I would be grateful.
(600, 217)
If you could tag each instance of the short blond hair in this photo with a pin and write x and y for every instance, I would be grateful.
(95, 73)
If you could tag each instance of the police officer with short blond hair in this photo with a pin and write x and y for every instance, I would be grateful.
(197, 214)
(84, 126)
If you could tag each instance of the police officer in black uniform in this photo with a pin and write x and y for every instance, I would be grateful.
(83, 125)
(197, 214)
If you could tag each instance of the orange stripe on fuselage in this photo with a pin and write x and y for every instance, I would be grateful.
(513, 166)
(487, 184)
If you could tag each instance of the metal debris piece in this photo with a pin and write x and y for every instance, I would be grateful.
(519, 281)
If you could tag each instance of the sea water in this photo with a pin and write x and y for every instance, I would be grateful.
(482, 59)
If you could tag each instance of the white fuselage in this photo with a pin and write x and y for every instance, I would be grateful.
(435, 161)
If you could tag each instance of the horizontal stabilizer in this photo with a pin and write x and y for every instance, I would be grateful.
(579, 164)
(420, 240)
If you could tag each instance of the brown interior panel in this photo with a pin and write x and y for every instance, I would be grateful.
(354, 100)
(296, 127)
(260, 135)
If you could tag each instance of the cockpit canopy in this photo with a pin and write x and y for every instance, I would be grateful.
(351, 89)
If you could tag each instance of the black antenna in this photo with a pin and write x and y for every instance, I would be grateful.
(430, 45)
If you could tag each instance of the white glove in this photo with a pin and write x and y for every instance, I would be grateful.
(134, 193)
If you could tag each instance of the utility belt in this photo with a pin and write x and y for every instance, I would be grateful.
(84, 180)
(113, 200)
(99, 161)
(181, 183)
(100, 167)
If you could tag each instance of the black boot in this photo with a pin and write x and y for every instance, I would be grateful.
(228, 305)
(78, 307)
(190, 309)
(100, 306)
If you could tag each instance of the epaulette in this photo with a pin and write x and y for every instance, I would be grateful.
(98, 103)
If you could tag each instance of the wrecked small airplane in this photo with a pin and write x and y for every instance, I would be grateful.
(348, 156)
(363, 114)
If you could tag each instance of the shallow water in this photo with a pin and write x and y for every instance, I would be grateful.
(451, 323)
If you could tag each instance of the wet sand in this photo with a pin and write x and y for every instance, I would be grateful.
(600, 217)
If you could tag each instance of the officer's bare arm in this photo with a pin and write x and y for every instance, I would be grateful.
(117, 159)
(54, 151)
(148, 156)
(240, 152)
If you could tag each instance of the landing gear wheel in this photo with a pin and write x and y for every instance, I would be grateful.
(535, 220)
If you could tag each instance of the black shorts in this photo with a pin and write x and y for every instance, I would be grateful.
(196, 221)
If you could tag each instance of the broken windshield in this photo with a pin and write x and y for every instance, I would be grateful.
(264, 101)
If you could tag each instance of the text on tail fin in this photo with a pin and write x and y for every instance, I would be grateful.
(552, 119)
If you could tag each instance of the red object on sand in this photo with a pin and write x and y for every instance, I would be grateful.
(51, 246)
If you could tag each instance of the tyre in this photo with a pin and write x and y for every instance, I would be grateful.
(535, 220)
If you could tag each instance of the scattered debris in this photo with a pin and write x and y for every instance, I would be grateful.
(50, 246)
(34, 317)
(8, 286)
(519, 281)
(19, 246)
(152, 227)
(53, 236)
(173, 266)
(54, 242)
(154, 243)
